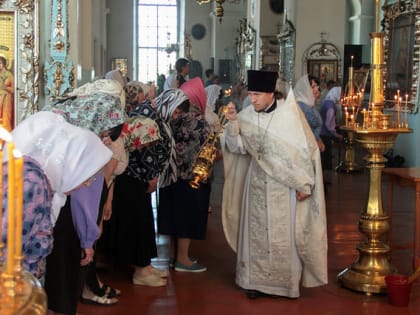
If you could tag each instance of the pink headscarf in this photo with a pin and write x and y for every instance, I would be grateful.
(194, 89)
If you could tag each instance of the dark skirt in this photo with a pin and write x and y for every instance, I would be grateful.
(183, 211)
(64, 276)
(131, 228)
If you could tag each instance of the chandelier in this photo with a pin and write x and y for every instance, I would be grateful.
(219, 7)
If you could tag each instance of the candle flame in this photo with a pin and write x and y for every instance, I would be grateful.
(17, 154)
(5, 135)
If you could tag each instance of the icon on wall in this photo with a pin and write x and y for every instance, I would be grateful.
(121, 64)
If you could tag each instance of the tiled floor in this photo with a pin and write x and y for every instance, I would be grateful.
(215, 292)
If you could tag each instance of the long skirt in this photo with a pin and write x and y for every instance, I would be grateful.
(132, 226)
(183, 211)
(63, 279)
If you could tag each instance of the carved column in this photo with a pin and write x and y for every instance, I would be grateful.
(59, 71)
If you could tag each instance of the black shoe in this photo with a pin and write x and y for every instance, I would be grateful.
(253, 294)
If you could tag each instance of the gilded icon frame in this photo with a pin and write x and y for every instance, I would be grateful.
(400, 41)
(25, 68)
(323, 69)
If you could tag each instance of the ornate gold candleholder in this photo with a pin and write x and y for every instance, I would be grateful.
(349, 163)
(351, 100)
(21, 293)
(376, 135)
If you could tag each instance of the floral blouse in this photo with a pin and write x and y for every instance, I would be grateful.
(37, 238)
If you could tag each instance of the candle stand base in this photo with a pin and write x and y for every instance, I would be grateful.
(367, 273)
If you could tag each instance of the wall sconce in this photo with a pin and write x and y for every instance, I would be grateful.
(219, 7)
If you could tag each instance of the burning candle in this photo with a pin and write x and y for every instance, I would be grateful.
(399, 112)
(346, 116)
(406, 110)
(19, 202)
(1, 189)
(11, 195)
(4, 136)
(364, 117)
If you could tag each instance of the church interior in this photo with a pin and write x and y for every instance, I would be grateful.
(368, 47)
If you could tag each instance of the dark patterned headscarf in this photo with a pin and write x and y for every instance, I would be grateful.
(132, 91)
(168, 101)
(151, 161)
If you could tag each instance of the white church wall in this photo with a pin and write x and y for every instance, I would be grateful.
(219, 40)
(314, 17)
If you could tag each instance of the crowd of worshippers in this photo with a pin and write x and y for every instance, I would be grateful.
(91, 164)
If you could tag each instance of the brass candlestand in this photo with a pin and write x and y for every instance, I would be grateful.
(349, 164)
(21, 293)
(376, 135)
(351, 102)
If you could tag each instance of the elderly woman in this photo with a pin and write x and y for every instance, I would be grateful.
(72, 158)
(54, 177)
(96, 106)
(131, 227)
(183, 211)
(213, 96)
(307, 92)
(329, 133)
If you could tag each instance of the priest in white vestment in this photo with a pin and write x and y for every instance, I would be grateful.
(273, 208)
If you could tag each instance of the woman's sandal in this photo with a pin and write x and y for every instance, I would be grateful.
(110, 292)
(99, 300)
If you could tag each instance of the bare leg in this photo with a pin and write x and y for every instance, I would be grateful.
(142, 271)
(173, 247)
(183, 251)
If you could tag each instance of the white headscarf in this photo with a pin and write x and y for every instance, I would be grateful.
(303, 91)
(213, 92)
(116, 75)
(69, 155)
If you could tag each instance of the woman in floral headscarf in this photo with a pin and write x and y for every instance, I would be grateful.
(143, 170)
(95, 106)
(131, 233)
(183, 211)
